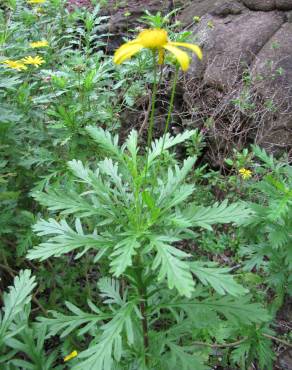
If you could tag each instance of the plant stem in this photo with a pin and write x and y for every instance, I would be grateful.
(143, 306)
(287, 344)
(225, 345)
(153, 101)
(170, 107)
(144, 326)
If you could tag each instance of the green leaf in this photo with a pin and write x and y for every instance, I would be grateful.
(65, 324)
(219, 213)
(15, 300)
(181, 359)
(109, 143)
(239, 310)
(122, 255)
(173, 192)
(264, 156)
(172, 267)
(110, 291)
(169, 142)
(100, 356)
(68, 203)
(218, 278)
(63, 239)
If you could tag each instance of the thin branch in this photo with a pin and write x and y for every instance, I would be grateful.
(287, 344)
(225, 345)
(234, 344)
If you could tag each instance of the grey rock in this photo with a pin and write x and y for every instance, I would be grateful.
(200, 8)
(284, 4)
(230, 44)
(267, 5)
(264, 5)
(227, 8)
(272, 73)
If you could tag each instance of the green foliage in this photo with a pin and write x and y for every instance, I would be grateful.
(17, 335)
(14, 302)
(269, 229)
(142, 255)
(132, 223)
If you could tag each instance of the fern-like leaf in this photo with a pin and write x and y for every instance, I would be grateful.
(169, 142)
(222, 213)
(105, 140)
(15, 300)
(109, 347)
(218, 277)
(63, 239)
(122, 255)
(169, 261)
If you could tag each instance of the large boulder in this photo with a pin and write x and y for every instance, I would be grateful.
(264, 5)
(233, 43)
(272, 74)
(244, 82)
(198, 8)
(267, 5)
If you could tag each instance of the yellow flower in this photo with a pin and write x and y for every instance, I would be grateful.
(156, 39)
(35, 61)
(70, 356)
(15, 64)
(39, 44)
(245, 174)
(35, 1)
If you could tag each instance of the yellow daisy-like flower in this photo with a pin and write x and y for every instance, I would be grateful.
(34, 61)
(36, 1)
(14, 64)
(245, 174)
(157, 39)
(70, 356)
(39, 44)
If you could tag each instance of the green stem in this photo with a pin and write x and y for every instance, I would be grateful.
(171, 104)
(153, 101)
(142, 291)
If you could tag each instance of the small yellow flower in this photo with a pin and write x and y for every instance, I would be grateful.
(39, 44)
(156, 39)
(36, 1)
(39, 11)
(34, 61)
(14, 64)
(197, 19)
(245, 174)
(70, 356)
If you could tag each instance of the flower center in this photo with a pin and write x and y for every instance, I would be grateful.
(154, 38)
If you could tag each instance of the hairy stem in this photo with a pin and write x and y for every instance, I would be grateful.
(171, 104)
(142, 290)
(144, 327)
(153, 101)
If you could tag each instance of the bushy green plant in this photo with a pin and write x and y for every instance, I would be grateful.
(269, 231)
(155, 298)
(21, 343)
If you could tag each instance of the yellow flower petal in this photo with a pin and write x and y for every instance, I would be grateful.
(181, 56)
(70, 356)
(39, 44)
(126, 51)
(153, 38)
(195, 48)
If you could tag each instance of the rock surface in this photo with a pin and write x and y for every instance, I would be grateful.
(267, 5)
(246, 70)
